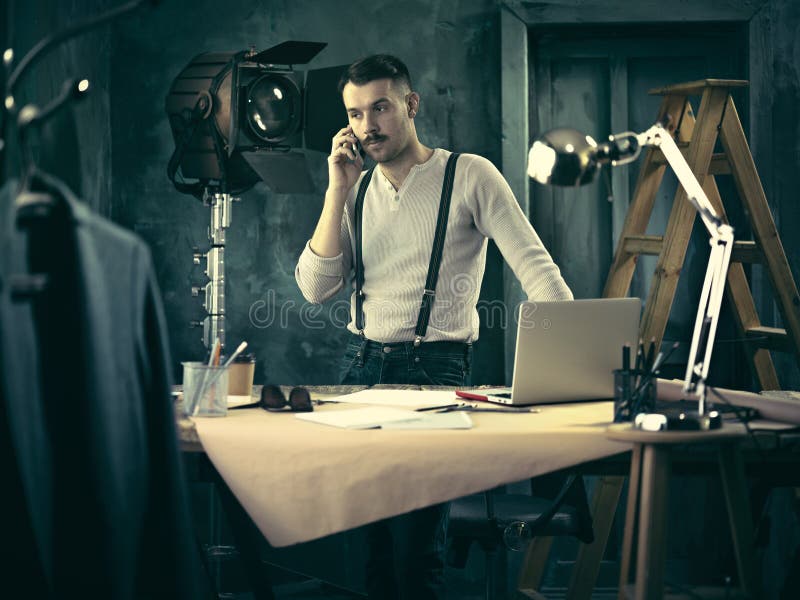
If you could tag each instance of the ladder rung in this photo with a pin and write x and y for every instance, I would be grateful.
(644, 244)
(719, 164)
(696, 87)
(743, 252)
(772, 338)
(746, 251)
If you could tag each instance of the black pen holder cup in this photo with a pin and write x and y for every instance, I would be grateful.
(634, 393)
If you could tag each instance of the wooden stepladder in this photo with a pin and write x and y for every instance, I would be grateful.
(717, 118)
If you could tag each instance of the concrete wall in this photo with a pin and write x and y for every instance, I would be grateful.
(452, 50)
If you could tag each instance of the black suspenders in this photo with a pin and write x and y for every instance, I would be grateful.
(362, 190)
(436, 252)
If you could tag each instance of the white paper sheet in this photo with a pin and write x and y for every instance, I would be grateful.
(361, 418)
(405, 398)
(371, 417)
(448, 420)
(238, 401)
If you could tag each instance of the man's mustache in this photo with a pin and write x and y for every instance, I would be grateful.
(374, 138)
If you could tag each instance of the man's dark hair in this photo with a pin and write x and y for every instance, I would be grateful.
(377, 66)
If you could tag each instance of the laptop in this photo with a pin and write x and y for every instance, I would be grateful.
(566, 351)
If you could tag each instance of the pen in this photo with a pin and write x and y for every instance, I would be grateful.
(639, 359)
(648, 363)
(626, 357)
(500, 409)
(236, 353)
(213, 357)
(217, 351)
(206, 384)
(639, 356)
(439, 407)
(661, 358)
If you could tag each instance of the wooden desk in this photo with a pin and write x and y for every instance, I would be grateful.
(319, 491)
(300, 481)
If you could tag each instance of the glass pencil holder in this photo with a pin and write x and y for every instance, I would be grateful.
(205, 390)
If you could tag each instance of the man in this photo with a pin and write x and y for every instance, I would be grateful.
(392, 342)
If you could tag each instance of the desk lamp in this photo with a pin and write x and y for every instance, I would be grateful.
(567, 157)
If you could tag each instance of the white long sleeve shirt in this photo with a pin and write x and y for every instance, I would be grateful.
(398, 230)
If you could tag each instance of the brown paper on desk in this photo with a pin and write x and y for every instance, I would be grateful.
(299, 481)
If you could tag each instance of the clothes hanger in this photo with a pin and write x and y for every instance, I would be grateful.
(30, 115)
(39, 193)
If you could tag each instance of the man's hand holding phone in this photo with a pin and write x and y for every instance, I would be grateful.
(345, 161)
(344, 167)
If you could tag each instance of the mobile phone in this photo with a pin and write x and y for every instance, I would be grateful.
(358, 149)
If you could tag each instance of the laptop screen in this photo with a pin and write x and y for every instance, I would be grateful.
(566, 351)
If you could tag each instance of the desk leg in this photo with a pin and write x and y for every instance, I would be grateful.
(634, 482)
(248, 539)
(737, 500)
(587, 564)
(652, 522)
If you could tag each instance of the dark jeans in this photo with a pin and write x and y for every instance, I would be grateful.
(406, 553)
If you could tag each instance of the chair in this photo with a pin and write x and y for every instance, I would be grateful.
(559, 508)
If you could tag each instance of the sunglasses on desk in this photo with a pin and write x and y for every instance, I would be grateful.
(272, 398)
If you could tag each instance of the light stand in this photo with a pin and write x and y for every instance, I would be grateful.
(214, 291)
(566, 157)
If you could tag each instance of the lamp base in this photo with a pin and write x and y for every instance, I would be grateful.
(678, 420)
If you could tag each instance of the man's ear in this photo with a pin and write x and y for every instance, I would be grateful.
(412, 103)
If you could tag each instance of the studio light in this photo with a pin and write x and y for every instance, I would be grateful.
(566, 157)
(241, 117)
(238, 118)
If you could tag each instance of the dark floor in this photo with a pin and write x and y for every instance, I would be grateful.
(462, 584)
(457, 589)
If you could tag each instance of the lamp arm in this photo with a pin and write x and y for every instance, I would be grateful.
(721, 242)
(659, 137)
(705, 328)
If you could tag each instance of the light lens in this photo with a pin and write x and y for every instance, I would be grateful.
(273, 108)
